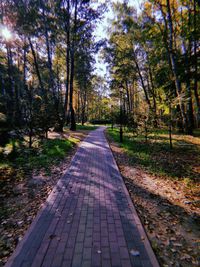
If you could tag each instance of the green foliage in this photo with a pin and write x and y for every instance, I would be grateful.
(156, 156)
(56, 148)
(140, 62)
(86, 127)
(39, 76)
(43, 156)
(48, 152)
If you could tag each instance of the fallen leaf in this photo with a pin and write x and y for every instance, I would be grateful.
(134, 252)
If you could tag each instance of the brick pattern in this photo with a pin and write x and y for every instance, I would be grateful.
(88, 219)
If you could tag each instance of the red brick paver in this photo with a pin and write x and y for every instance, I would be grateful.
(88, 219)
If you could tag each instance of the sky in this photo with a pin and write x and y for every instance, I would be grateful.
(101, 31)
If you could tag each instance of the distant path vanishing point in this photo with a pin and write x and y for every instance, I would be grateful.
(88, 219)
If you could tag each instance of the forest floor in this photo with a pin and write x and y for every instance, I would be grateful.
(27, 178)
(164, 187)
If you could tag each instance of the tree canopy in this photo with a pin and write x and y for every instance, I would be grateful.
(47, 68)
(153, 56)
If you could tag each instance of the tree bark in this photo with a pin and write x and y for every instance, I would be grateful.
(197, 100)
(67, 28)
(174, 66)
(141, 79)
(10, 95)
(72, 52)
(128, 97)
(187, 54)
(37, 70)
(83, 106)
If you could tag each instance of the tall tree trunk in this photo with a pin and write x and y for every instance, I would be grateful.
(141, 79)
(153, 92)
(44, 93)
(128, 97)
(84, 99)
(11, 91)
(78, 106)
(190, 117)
(2, 85)
(25, 87)
(72, 113)
(197, 100)
(187, 53)
(72, 52)
(67, 28)
(132, 96)
(30, 117)
(37, 70)
(174, 66)
(52, 87)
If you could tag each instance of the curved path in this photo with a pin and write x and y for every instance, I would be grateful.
(88, 219)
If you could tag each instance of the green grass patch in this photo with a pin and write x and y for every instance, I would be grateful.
(48, 152)
(87, 127)
(18, 162)
(156, 155)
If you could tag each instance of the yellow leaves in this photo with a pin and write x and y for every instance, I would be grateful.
(173, 3)
(163, 105)
(154, 30)
(147, 5)
(122, 41)
(74, 140)
(148, 8)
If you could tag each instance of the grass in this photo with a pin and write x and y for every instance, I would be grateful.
(49, 152)
(85, 127)
(22, 160)
(18, 162)
(155, 155)
(16, 158)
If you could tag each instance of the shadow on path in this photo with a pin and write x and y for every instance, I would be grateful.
(88, 219)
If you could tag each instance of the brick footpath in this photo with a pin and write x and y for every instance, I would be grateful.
(88, 219)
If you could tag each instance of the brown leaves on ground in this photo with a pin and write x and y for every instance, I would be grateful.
(169, 211)
(23, 194)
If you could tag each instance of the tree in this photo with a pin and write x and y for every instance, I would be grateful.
(159, 47)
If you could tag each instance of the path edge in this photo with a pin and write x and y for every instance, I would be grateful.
(42, 208)
(139, 225)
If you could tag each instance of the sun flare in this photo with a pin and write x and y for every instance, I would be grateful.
(6, 34)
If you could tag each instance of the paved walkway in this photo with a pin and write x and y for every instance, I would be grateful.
(88, 219)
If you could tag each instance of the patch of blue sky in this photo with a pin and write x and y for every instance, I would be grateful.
(102, 28)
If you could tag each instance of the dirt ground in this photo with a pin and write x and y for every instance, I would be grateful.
(169, 211)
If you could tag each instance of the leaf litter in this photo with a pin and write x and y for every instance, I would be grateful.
(168, 211)
(21, 199)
